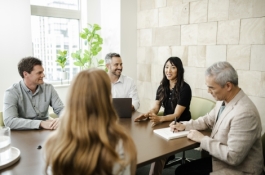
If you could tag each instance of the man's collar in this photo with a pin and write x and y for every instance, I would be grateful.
(237, 97)
(27, 89)
(24, 86)
(120, 80)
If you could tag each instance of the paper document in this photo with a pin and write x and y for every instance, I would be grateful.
(168, 134)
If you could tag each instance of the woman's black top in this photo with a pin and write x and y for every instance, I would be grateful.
(183, 99)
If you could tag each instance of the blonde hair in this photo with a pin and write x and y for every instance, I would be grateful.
(89, 132)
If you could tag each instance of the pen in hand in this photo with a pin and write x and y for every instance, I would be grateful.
(175, 123)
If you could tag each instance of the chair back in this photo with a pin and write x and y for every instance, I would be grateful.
(263, 146)
(53, 115)
(200, 106)
(1, 119)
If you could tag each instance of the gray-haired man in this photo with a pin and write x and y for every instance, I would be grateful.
(122, 86)
(234, 145)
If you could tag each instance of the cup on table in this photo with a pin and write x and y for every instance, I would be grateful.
(5, 142)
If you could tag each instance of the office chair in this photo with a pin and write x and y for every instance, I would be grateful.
(198, 107)
(52, 115)
(263, 147)
(1, 119)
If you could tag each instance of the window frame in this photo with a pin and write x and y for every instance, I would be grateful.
(55, 12)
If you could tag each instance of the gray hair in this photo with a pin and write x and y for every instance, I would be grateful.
(109, 56)
(223, 73)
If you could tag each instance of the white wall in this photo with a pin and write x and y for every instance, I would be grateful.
(128, 41)
(15, 42)
(110, 23)
(118, 21)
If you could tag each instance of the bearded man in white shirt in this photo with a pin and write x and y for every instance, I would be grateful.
(122, 86)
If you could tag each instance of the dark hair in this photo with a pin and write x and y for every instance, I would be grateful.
(164, 84)
(109, 56)
(27, 64)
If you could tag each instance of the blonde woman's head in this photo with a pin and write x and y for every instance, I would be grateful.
(86, 139)
(90, 100)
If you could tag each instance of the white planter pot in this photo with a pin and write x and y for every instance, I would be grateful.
(63, 75)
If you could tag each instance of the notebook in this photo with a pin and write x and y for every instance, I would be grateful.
(168, 134)
(123, 107)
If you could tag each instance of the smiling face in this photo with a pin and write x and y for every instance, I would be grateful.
(35, 77)
(171, 71)
(115, 66)
(218, 92)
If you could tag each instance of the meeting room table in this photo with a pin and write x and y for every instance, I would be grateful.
(150, 146)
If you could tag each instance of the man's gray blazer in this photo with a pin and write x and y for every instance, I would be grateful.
(235, 143)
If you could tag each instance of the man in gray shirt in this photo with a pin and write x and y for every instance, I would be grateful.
(26, 103)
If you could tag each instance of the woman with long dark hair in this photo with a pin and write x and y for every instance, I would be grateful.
(174, 94)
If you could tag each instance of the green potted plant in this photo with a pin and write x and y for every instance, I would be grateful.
(61, 59)
(87, 58)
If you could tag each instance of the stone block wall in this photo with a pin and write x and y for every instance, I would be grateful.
(201, 32)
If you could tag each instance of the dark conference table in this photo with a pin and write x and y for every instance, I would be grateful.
(149, 146)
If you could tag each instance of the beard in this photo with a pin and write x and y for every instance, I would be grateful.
(117, 72)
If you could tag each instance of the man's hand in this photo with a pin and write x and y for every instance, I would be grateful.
(195, 135)
(55, 123)
(155, 119)
(177, 127)
(133, 108)
(50, 124)
(141, 117)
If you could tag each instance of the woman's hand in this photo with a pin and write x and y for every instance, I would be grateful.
(141, 117)
(155, 119)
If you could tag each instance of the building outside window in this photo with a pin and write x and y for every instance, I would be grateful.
(55, 26)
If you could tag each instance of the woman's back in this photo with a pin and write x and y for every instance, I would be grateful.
(89, 139)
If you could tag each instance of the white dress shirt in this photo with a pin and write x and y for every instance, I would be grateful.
(126, 88)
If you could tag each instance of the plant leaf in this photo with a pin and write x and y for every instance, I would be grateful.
(96, 27)
(61, 58)
(86, 31)
(83, 35)
(100, 61)
(78, 64)
(93, 43)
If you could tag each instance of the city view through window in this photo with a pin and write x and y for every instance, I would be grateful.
(56, 24)
(51, 34)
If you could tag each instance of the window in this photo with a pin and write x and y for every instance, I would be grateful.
(64, 4)
(55, 26)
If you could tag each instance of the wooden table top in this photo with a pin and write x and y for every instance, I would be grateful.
(149, 146)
